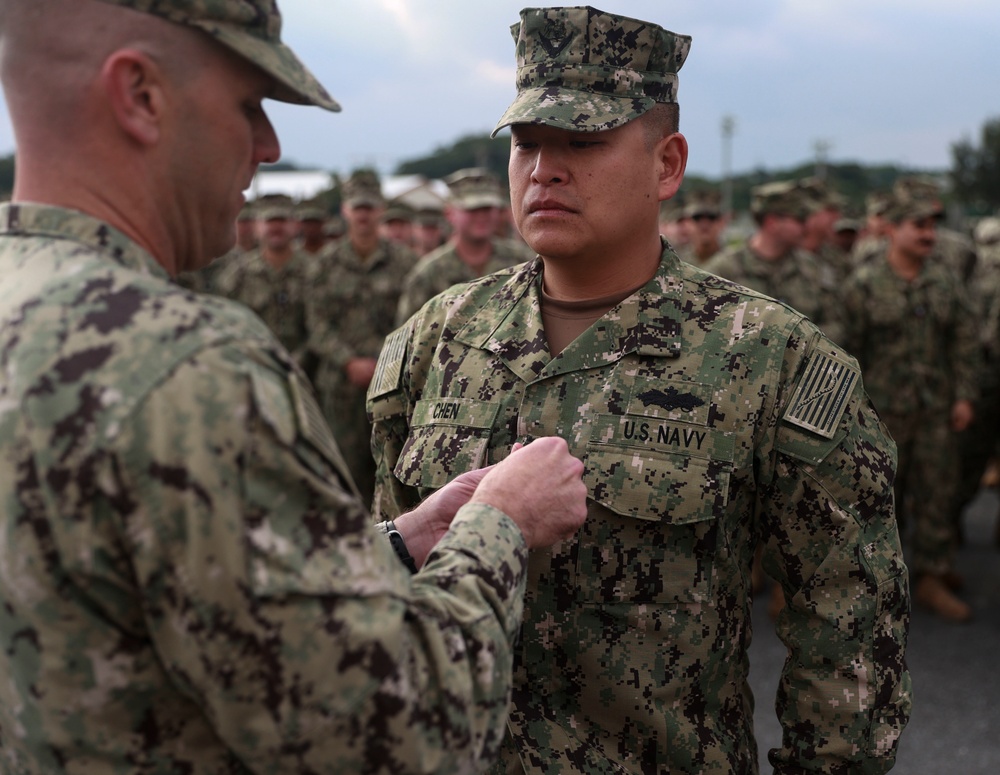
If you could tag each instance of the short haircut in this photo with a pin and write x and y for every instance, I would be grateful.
(660, 120)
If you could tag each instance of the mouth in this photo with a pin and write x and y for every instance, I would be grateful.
(548, 207)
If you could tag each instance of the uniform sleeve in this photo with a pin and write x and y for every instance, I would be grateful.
(276, 606)
(829, 532)
(389, 409)
(966, 353)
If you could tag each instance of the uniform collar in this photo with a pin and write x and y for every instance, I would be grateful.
(37, 220)
(509, 324)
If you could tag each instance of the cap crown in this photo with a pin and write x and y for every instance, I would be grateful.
(584, 69)
(363, 187)
(474, 187)
(251, 28)
(782, 197)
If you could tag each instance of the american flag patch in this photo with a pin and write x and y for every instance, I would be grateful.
(822, 394)
(390, 364)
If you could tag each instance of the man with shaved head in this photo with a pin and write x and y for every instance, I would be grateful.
(188, 580)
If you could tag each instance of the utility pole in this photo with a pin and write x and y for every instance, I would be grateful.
(822, 150)
(728, 129)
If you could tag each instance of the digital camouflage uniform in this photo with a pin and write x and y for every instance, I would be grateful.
(277, 295)
(350, 309)
(918, 345)
(442, 268)
(187, 582)
(709, 418)
(798, 280)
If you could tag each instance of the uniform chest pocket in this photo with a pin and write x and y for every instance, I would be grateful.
(448, 436)
(654, 530)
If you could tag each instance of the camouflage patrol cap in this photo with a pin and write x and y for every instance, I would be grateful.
(823, 196)
(907, 208)
(474, 187)
(309, 211)
(782, 197)
(704, 202)
(398, 210)
(585, 70)
(917, 187)
(273, 207)
(252, 29)
(362, 189)
(876, 203)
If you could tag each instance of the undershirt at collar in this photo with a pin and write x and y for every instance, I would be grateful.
(564, 321)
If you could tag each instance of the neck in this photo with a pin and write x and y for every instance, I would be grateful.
(101, 199)
(903, 264)
(364, 244)
(277, 257)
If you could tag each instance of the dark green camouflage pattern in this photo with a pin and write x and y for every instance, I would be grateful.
(277, 295)
(442, 268)
(251, 28)
(918, 343)
(350, 308)
(586, 70)
(798, 280)
(687, 403)
(187, 583)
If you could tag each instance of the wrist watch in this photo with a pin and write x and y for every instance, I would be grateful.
(399, 545)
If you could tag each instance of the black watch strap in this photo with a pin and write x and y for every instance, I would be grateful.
(399, 546)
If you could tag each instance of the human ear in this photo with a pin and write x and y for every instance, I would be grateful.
(134, 86)
(671, 158)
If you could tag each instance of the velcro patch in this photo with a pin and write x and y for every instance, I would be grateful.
(390, 364)
(822, 394)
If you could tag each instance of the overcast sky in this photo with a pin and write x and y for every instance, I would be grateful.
(875, 81)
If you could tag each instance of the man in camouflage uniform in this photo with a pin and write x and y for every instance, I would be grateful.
(916, 339)
(705, 223)
(473, 209)
(818, 234)
(771, 261)
(272, 279)
(350, 308)
(311, 219)
(187, 582)
(397, 223)
(953, 249)
(709, 418)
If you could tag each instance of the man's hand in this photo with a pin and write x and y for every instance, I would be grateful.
(962, 415)
(539, 486)
(423, 527)
(360, 371)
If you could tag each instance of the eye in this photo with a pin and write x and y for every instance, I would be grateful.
(252, 108)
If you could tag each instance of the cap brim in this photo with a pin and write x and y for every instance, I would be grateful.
(295, 83)
(576, 111)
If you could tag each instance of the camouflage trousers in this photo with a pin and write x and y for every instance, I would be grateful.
(926, 488)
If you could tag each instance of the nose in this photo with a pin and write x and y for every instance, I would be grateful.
(549, 168)
(267, 148)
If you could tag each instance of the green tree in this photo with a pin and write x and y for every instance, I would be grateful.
(469, 151)
(975, 173)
